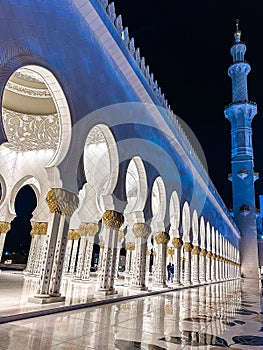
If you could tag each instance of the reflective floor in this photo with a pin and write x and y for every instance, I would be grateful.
(206, 317)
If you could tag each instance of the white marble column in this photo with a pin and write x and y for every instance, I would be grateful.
(195, 265)
(119, 245)
(162, 239)
(4, 228)
(213, 267)
(187, 263)
(177, 243)
(101, 245)
(208, 267)
(217, 262)
(91, 230)
(141, 232)
(31, 255)
(62, 205)
(75, 238)
(112, 221)
(68, 253)
(130, 248)
(202, 265)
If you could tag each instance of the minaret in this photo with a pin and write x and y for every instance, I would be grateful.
(240, 113)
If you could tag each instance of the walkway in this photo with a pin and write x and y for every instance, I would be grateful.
(205, 317)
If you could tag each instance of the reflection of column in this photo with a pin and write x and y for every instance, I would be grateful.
(187, 263)
(141, 232)
(4, 228)
(68, 253)
(75, 237)
(208, 267)
(161, 238)
(120, 240)
(62, 204)
(177, 243)
(202, 265)
(195, 265)
(112, 222)
(90, 229)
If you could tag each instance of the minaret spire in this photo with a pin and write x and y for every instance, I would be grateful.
(240, 113)
(237, 34)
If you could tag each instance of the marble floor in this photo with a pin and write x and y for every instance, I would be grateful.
(205, 317)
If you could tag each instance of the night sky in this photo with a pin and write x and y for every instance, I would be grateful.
(187, 47)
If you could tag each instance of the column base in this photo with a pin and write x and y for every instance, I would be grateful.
(106, 292)
(142, 288)
(187, 284)
(176, 284)
(160, 285)
(45, 299)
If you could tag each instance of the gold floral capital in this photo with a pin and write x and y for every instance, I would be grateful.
(39, 228)
(73, 235)
(203, 252)
(130, 246)
(88, 228)
(148, 253)
(177, 242)
(62, 201)
(188, 246)
(170, 251)
(209, 255)
(120, 236)
(162, 238)
(196, 250)
(4, 226)
(214, 256)
(101, 244)
(141, 230)
(113, 219)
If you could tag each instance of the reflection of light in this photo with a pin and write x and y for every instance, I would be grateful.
(6, 253)
(261, 236)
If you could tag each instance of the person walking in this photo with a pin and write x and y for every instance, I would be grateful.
(168, 271)
(172, 272)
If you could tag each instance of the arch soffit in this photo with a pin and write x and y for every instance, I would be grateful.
(158, 185)
(186, 222)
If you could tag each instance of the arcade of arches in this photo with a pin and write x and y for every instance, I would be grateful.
(65, 225)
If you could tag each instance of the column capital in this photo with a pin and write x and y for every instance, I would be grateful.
(162, 237)
(39, 228)
(170, 251)
(113, 219)
(209, 255)
(88, 228)
(177, 242)
(4, 226)
(62, 201)
(73, 235)
(203, 252)
(188, 246)
(101, 244)
(120, 236)
(141, 230)
(130, 246)
(196, 250)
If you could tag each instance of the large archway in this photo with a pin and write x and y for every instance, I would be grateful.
(18, 238)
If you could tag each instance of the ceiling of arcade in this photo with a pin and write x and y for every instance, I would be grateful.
(29, 114)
